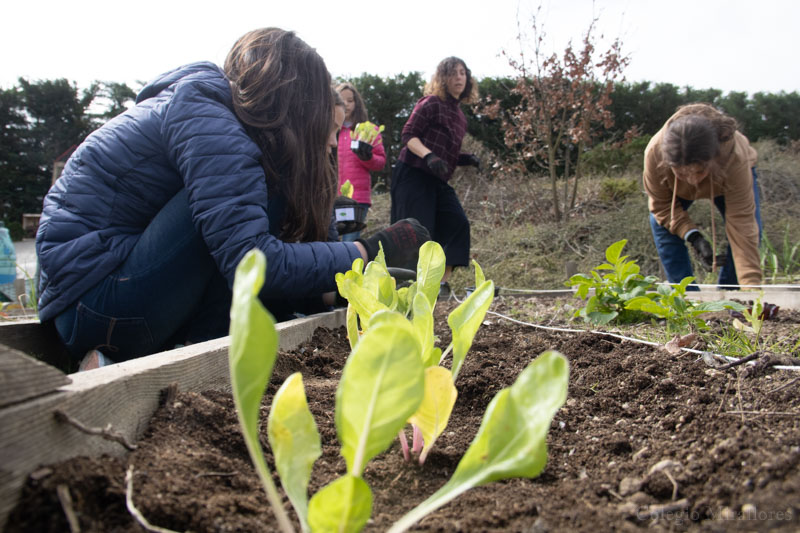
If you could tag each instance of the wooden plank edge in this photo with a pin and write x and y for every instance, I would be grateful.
(22, 377)
(124, 395)
(786, 299)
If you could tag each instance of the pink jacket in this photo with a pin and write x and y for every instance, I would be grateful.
(357, 171)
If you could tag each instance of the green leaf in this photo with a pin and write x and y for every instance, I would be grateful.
(422, 320)
(437, 405)
(351, 321)
(479, 276)
(364, 302)
(342, 506)
(645, 304)
(251, 356)
(465, 320)
(382, 385)
(430, 270)
(597, 317)
(295, 442)
(511, 440)
(346, 189)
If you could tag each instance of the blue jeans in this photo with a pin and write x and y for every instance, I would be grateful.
(674, 255)
(167, 291)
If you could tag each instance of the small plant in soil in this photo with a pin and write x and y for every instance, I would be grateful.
(373, 292)
(681, 315)
(615, 283)
(385, 384)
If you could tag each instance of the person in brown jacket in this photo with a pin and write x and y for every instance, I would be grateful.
(699, 153)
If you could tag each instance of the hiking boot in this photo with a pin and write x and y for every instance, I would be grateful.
(444, 291)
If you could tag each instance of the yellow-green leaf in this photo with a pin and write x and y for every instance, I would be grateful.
(347, 189)
(511, 440)
(295, 442)
(342, 506)
(422, 321)
(382, 385)
(437, 405)
(251, 356)
(465, 320)
(430, 270)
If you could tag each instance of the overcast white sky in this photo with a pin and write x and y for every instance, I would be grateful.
(733, 45)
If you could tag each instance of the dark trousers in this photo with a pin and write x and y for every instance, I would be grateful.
(417, 194)
(167, 291)
(673, 252)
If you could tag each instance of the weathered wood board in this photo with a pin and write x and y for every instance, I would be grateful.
(123, 396)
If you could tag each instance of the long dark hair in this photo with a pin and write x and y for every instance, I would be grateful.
(282, 95)
(694, 134)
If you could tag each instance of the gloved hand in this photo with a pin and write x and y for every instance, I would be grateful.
(364, 151)
(436, 165)
(345, 220)
(401, 242)
(703, 249)
(469, 160)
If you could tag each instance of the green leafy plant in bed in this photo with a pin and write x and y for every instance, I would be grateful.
(612, 285)
(385, 382)
(374, 291)
(681, 314)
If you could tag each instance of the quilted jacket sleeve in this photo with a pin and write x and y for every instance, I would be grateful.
(228, 196)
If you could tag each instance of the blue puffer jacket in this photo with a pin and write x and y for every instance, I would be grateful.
(182, 132)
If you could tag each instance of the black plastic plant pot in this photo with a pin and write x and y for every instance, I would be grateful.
(350, 218)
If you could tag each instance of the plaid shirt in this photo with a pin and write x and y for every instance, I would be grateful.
(440, 125)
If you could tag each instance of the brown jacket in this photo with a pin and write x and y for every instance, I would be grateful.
(732, 178)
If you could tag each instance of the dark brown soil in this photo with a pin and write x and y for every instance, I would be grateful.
(730, 443)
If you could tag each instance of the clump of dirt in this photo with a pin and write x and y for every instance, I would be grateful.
(646, 440)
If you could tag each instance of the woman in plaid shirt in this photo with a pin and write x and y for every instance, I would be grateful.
(431, 150)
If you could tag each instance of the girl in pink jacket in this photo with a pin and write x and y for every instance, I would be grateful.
(355, 165)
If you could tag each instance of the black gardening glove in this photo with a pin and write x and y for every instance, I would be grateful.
(436, 165)
(350, 224)
(401, 242)
(469, 160)
(364, 151)
(703, 249)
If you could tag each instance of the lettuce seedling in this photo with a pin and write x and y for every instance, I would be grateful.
(251, 356)
(371, 294)
(381, 387)
(511, 441)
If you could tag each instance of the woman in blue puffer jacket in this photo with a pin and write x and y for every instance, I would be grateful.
(140, 236)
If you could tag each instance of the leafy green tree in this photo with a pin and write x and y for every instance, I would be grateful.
(779, 116)
(117, 97)
(40, 121)
(58, 117)
(20, 186)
